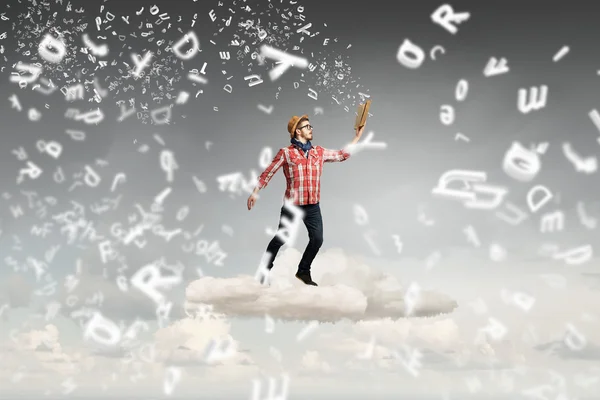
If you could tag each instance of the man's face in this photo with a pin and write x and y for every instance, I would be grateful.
(305, 130)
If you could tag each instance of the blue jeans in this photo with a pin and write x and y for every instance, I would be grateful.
(314, 224)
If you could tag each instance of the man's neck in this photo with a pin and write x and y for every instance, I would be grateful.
(301, 140)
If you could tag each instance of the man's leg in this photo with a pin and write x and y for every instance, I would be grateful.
(314, 224)
(276, 243)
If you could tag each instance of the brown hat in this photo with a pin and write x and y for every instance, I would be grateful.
(293, 123)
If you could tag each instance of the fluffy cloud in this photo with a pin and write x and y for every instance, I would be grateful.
(204, 347)
(45, 340)
(442, 334)
(94, 291)
(312, 363)
(199, 342)
(35, 361)
(348, 289)
(387, 344)
(574, 345)
(37, 354)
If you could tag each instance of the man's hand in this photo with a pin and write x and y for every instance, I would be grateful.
(359, 131)
(251, 201)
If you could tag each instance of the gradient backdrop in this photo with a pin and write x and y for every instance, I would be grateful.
(216, 133)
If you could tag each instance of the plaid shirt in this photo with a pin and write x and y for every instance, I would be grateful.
(302, 174)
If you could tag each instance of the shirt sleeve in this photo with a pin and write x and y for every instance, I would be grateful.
(335, 155)
(265, 177)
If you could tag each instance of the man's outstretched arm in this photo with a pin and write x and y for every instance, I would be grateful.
(343, 154)
(265, 177)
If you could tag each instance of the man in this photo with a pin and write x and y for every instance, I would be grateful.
(302, 166)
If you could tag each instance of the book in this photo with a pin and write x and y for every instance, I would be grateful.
(361, 114)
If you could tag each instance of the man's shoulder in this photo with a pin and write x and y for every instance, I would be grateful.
(285, 150)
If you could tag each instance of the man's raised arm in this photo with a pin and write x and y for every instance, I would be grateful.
(343, 154)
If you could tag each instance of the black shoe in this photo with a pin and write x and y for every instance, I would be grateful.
(306, 278)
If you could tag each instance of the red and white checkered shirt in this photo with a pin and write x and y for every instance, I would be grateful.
(302, 174)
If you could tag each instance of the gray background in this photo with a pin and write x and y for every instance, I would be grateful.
(392, 185)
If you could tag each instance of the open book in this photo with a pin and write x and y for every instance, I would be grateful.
(361, 114)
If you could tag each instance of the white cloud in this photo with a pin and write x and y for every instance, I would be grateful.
(571, 346)
(348, 289)
(442, 344)
(442, 334)
(94, 291)
(312, 363)
(204, 346)
(36, 361)
(37, 356)
(189, 342)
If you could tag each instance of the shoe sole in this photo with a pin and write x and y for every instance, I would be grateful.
(307, 284)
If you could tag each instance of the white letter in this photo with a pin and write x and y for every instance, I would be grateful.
(447, 114)
(192, 51)
(148, 279)
(575, 340)
(99, 51)
(141, 63)
(498, 196)
(172, 378)
(495, 329)
(551, 222)
(495, 67)
(360, 215)
(51, 49)
(472, 237)
(434, 49)
(106, 251)
(406, 47)
(289, 230)
(519, 217)
(535, 102)
(587, 165)
(576, 256)
(354, 148)
(266, 155)
(465, 176)
(271, 392)
(91, 178)
(284, 60)
(33, 171)
(523, 300)
(445, 16)
(33, 70)
(168, 164)
(166, 110)
(462, 88)
(535, 207)
(411, 298)
(98, 324)
(411, 359)
(520, 163)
